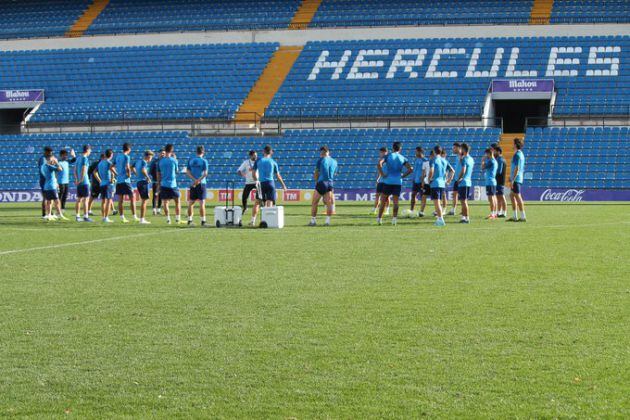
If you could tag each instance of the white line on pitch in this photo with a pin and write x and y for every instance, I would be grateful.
(93, 241)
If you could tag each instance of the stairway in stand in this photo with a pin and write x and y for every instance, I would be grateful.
(85, 20)
(268, 84)
(304, 14)
(541, 12)
(507, 144)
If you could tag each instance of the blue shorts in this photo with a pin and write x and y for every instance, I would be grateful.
(143, 189)
(167, 193)
(50, 195)
(456, 187)
(123, 189)
(95, 190)
(268, 191)
(416, 188)
(491, 190)
(516, 187)
(438, 193)
(83, 190)
(499, 189)
(198, 193)
(426, 190)
(379, 188)
(107, 192)
(324, 187)
(463, 193)
(392, 190)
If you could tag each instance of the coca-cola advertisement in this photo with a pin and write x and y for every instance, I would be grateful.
(574, 195)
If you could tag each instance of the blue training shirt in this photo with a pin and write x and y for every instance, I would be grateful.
(167, 167)
(104, 172)
(518, 161)
(417, 170)
(197, 166)
(267, 168)
(439, 166)
(490, 172)
(139, 166)
(327, 168)
(49, 172)
(64, 175)
(83, 163)
(122, 161)
(468, 164)
(458, 167)
(40, 162)
(395, 165)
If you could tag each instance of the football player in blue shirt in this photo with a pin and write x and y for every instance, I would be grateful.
(64, 176)
(143, 182)
(267, 172)
(197, 171)
(379, 185)
(501, 171)
(416, 187)
(123, 184)
(156, 202)
(107, 177)
(167, 175)
(464, 181)
(325, 171)
(82, 182)
(395, 164)
(516, 181)
(49, 170)
(437, 177)
(48, 151)
(457, 150)
(489, 166)
(450, 174)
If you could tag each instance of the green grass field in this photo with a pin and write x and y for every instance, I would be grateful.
(493, 319)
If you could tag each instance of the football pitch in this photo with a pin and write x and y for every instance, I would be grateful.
(355, 320)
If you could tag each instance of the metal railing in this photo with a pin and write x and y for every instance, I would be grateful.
(60, 31)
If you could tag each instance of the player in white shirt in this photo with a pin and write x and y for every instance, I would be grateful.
(246, 170)
(426, 187)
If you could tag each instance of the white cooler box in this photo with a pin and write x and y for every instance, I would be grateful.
(228, 216)
(272, 217)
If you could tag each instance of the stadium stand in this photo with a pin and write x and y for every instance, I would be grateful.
(123, 16)
(142, 83)
(296, 151)
(420, 12)
(593, 11)
(39, 18)
(555, 154)
(450, 77)
(552, 153)
(87, 18)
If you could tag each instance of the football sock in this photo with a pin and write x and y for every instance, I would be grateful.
(523, 215)
(515, 215)
(328, 219)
